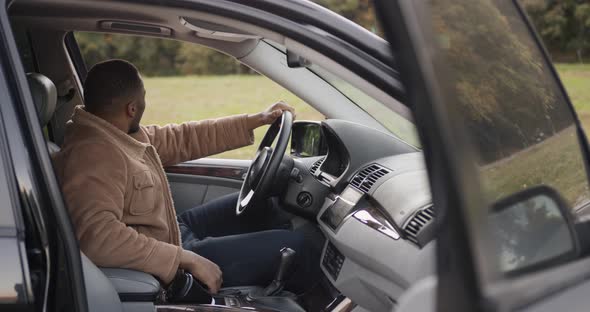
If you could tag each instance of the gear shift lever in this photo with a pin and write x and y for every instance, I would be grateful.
(287, 255)
(276, 286)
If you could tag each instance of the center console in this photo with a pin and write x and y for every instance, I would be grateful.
(236, 299)
(244, 298)
(139, 291)
(341, 208)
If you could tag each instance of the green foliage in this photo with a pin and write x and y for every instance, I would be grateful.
(361, 12)
(505, 94)
(194, 59)
(564, 25)
(157, 57)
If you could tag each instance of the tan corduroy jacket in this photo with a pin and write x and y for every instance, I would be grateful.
(116, 189)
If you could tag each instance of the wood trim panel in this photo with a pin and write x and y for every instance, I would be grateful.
(235, 173)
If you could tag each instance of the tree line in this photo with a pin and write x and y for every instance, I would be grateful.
(564, 26)
(504, 95)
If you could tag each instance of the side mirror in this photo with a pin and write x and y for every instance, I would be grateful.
(307, 139)
(296, 61)
(532, 229)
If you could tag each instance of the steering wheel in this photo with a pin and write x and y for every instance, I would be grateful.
(260, 175)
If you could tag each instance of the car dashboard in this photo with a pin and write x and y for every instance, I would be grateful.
(376, 214)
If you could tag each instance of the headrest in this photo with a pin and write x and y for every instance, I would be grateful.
(44, 96)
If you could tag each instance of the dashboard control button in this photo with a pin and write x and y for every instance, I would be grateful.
(333, 260)
(296, 175)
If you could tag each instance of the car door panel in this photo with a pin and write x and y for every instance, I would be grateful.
(198, 181)
(573, 300)
(445, 48)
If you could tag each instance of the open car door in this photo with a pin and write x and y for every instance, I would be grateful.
(506, 155)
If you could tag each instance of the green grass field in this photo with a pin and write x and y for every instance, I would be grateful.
(529, 167)
(178, 99)
(576, 79)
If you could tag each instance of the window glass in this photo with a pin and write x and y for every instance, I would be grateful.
(392, 121)
(186, 81)
(520, 127)
(25, 50)
(564, 27)
(362, 12)
(399, 126)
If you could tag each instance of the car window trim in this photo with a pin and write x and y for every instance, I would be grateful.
(76, 56)
(363, 109)
(404, 29)
(406, 117)
(582, 137)
(457, 286)
(24, 112)
(314, 14)
(343, 52)
(18, 232)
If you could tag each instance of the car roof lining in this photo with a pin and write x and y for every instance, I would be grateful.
(85, 15)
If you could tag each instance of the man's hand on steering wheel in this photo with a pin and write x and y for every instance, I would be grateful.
(258, 181)
(269, 115)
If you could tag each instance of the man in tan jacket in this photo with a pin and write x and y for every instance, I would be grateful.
(111, 172)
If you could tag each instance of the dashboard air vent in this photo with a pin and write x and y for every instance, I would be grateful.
(418, 223)
(316, 165)
(368, 176)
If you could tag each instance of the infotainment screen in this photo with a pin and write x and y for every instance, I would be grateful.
(345, 202)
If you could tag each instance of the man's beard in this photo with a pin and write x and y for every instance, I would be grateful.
(133, 129)
(135, 124)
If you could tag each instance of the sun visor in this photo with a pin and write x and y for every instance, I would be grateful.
(215, 31)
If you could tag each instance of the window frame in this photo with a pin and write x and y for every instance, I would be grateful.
(462, 285)
(81, 70)
(76, 57)
(406, 116)
(37, 185)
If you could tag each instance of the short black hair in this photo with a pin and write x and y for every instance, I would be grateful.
(110, 82)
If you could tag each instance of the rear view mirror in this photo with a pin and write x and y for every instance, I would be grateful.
(307, 139)
(532, 229)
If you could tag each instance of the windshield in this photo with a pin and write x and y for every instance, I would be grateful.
(396, 124)
(392, 121)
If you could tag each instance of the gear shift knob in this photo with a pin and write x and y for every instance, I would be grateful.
(276, 286)
(287, 255)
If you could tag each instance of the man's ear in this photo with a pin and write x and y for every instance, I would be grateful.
(131, 109)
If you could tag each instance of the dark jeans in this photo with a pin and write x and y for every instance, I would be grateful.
(246, 247)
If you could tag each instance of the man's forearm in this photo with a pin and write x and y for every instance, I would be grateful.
(255, 121)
